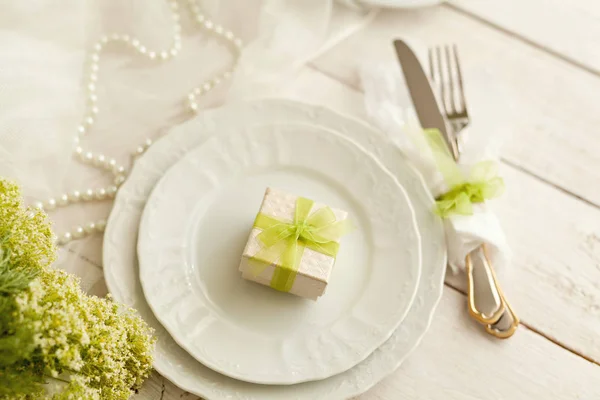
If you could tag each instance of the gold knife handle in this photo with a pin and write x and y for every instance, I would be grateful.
(483, 287)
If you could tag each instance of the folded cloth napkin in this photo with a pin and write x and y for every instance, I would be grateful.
(389, 108)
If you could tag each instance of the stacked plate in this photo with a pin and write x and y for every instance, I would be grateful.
(180, 222)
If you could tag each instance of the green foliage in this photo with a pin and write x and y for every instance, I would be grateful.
(55, 341)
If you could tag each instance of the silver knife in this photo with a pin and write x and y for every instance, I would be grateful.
(424, 100)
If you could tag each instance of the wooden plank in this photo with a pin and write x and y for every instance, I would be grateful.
(158, 388)
(456, 361)
(554, 281)
(570, 29)
(549, 106)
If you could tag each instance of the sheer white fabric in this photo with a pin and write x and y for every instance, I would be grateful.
(42, 85)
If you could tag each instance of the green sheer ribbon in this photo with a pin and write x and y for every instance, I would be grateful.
(482, 184)
(283, 243)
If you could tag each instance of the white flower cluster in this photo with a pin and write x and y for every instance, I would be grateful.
(96, 343)
(57, 342)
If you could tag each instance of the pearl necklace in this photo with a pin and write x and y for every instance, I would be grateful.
(103, 162)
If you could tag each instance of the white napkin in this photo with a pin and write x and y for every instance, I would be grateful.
(388, 105)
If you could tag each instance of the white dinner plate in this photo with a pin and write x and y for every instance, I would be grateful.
(195, 226)
(174, 363)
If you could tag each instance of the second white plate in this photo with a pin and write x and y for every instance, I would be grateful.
(194, 228)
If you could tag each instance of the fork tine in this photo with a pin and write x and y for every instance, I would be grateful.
(451, 98)
(431, 69)
(463, 105)
(442, 84)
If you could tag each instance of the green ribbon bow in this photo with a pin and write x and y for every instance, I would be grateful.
(482, 184)
(283, 243)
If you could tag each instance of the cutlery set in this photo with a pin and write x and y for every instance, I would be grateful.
(439, 101)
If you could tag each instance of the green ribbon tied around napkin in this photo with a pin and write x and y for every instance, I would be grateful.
(482, 184)
(283, 243)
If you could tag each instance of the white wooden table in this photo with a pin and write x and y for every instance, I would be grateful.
(545, 54)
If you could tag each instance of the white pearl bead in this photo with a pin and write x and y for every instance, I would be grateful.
(227, 75)
(78, 232)
(207, 86)
(126, 38)
(104, 39)
(100, 160)
(97, 47)
(191, 97)
(135, 43)
(88, 156)
(112, 163)
(142, 49)
(148, 142)
(120, 170)
(164, 55)
(111, 191)
(81, 129)
(101, 193)
(119, 179)
(78, 150)
(209, 25)
(93, 77)
(94, 110)
(173, 52)
(200, 18)
(89, 227)
(66, 238)
(75, 196)
(91, 87)
(39, 205)
(115, 36)
(63, 200)
(100, 225)
(194, 107)
(152, 55)
(95, 57)
(237, 42)
(93, 98)
(88, 194)
(218, 29)
(89, 121)
(139, 150)
(229, 35)
(50, 204)
(94, 68)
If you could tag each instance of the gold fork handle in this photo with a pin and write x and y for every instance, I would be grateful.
(506, 326)
(486, 302)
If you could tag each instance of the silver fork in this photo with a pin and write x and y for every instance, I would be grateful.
(486, 302)
(450, 83)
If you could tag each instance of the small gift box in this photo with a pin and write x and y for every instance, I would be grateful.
(293, 244)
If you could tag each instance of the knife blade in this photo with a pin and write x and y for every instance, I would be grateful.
(422, 95)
